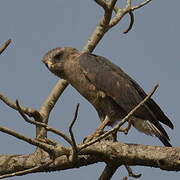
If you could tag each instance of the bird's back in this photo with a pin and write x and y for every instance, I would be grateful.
(126, 92)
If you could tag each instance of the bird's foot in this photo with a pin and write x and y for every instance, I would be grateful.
(96, 134)
(125, 130)
(112, 137)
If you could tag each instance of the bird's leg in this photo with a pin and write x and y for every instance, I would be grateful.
(98, 131)
(125, 130)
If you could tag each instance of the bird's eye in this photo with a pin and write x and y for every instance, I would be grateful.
(58, 57)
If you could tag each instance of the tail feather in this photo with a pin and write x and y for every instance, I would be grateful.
(153, 129)
(160, 133)
(165, 141)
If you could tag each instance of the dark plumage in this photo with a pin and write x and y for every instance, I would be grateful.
(109, 89)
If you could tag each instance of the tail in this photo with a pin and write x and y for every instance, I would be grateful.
(152, 128)
(160, 133)
(165, 142)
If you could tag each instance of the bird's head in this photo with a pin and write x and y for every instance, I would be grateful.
(55, 59)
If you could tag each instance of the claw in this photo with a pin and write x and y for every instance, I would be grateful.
(92, 136)
(126, 129)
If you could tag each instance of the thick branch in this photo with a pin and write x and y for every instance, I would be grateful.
(52, 98)
(48, 105)
(166, 158)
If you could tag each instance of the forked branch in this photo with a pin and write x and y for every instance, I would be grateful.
(31, 141)
(29, 111)
(107, 22)
(48, 128)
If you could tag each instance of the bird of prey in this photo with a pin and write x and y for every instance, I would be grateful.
(109, 89)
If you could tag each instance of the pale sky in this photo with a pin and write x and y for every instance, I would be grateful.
(149, 53)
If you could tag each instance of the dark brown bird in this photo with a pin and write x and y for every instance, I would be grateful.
(109, 89)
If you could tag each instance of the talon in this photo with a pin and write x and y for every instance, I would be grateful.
(92, 136)
(126, 129)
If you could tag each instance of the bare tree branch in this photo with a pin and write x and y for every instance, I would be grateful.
(131, 22)
(34, 142)
(166, 158)
(102, 27)
(102, 3)
(126, 118)
(27, 171)
(52, 98)
(130, 172)
(112, 4)
(74, 146)
(140, 5)
(111, 153)
(49, 103)
(29, 111)
(5, 45)
(120, 13)
(48, 128)
(108, 172)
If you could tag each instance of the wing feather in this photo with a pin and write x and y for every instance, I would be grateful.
(112, 80)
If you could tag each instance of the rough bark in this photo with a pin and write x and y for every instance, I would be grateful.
(115, 153)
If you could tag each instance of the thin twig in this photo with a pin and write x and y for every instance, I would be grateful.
(131, 22)
(102, 3)
(130, 172)
(27, 171)
(128, 3)
(140, 5)
(112, 4)
(121, 12)
(5, 45)
(126, 118)
(74, 146)
(48, 128)
(29, 111)
(34, 142)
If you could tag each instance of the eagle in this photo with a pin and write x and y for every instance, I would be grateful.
(109, 89)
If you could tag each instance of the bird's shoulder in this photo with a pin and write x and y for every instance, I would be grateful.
(110, 79)
(114, 82)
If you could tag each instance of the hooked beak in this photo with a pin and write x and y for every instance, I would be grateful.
(49, 64)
